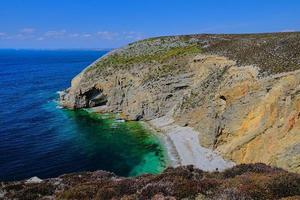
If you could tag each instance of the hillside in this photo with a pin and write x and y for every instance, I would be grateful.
(243, 182)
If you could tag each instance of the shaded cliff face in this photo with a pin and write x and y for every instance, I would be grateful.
(254, 181)
(241, 92)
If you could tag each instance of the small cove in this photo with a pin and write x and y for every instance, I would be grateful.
(37, 138)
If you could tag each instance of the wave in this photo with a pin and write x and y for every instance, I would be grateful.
(60, 92)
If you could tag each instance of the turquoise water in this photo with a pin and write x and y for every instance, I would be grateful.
(37, 138)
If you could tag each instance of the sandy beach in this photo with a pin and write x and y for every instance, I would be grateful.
(183, 146)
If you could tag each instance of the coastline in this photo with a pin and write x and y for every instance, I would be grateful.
(183, 147)
(172, 157)
(181, 144)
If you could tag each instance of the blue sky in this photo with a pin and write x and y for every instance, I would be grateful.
(113, 23)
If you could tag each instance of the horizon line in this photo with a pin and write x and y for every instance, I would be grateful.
(57, 49)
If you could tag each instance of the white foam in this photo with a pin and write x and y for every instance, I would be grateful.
(34, 179)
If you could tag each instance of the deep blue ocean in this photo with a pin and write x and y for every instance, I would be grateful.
(37, 138)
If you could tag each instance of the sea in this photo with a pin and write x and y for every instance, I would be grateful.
(39, 138)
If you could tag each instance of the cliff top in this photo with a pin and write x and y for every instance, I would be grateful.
(272, 52)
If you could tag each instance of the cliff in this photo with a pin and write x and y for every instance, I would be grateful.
(240, 92)
(243, 182)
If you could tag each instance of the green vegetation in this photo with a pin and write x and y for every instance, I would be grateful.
(272, 53)
(179, 51)
(160, 56)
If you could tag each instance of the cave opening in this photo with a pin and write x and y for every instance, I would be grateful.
(96, 97)
(223, 97)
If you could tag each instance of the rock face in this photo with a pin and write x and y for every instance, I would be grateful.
(240, 92)
(245, 118)
(253, 181)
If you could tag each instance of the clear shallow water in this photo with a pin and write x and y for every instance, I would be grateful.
(39, 139)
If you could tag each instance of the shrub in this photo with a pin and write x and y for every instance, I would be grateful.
(246, 168)
(285, 184)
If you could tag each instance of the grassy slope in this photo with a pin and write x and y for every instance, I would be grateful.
(272, 53)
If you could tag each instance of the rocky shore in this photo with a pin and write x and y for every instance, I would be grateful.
(240, 93)
(220, 100)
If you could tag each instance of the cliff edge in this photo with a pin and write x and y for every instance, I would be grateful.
(240, 92)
